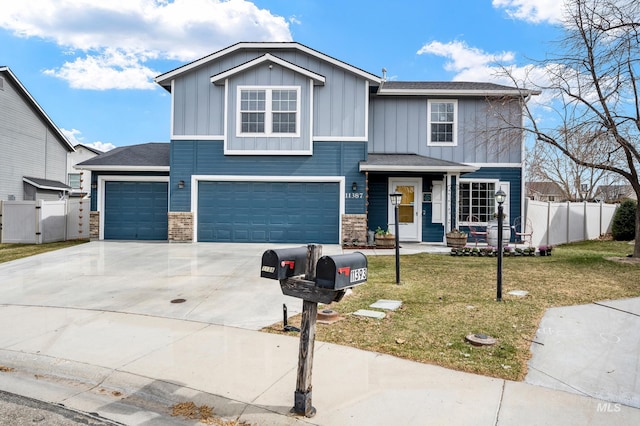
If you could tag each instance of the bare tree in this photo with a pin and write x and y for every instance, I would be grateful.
(594, 76)
(546, 163)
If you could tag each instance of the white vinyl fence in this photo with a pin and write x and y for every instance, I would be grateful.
(37, 222)
(559, 223)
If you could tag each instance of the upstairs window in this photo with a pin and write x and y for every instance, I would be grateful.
(269, 111)
(443, 122)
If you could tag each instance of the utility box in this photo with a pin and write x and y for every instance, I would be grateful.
(341, 271)
(281, 264)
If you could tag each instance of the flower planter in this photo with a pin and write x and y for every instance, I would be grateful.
(388, 241)
(456, 240)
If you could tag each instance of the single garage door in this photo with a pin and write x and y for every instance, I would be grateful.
(136, 210)
(273, 212)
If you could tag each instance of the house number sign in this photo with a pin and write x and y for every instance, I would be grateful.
(354, 195)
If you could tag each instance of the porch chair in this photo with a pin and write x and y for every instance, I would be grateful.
(476, 233)
(523, 231)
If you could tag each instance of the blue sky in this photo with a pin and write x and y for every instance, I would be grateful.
(91, 64)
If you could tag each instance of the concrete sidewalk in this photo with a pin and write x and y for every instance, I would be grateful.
(128, 354)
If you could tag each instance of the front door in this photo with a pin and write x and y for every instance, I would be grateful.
(409, 218)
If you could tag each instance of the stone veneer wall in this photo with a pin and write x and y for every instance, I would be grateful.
(354, 226)
(94, 225)
(180, 226)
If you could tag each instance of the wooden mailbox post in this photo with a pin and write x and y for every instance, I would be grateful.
(325, 280)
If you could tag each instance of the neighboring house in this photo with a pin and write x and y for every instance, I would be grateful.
(129, 192)
(79, 180)
(277, 142)
(545, 191)
(33, 150)
(615, 193)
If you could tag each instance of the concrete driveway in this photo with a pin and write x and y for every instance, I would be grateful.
(220, 283)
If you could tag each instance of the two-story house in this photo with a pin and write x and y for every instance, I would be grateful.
(79, 180)
(33, 150)
(277, 142)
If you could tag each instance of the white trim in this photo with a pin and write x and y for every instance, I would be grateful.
(453, 92)
(340, 139)
(225, 117)
(455, 122)
(197, 137)
(383, 168)
(173, 109)
(501, 165)
(506, 186)
(268, 112)
(267, 57)
(266, 152)
(102, 180)
(366, 110)
(195, 179)
(163, 78)
(417, 205)
(310, 117)
(116, 168)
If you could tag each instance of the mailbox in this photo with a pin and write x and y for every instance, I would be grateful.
(341, 271)
(283, 263)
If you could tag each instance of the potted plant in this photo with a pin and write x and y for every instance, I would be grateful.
(456, 238)
(545, 250)
(384, 238)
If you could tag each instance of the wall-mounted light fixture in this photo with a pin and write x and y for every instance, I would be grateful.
(181, 184)
(354, 186)
(94, 185)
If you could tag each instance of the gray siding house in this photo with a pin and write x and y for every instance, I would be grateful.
(33, 150)
(277, 142)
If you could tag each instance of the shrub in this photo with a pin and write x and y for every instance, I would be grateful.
(623, 227)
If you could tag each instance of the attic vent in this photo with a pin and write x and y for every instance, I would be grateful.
(1, 83)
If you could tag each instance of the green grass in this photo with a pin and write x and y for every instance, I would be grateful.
(446, 298)
(10, 252)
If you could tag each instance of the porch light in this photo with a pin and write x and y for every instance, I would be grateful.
(396, 198)
(181, 184)
(354, 186)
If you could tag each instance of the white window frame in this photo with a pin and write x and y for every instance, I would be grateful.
(454, 142)
(505, 186)
(268, 112)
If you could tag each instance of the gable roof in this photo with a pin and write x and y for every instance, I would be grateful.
(27, 96)
(94, 150)
(449, 88)
(267, 57)
(543, 188)
(152, 156)
(411, 163)
(165, 79)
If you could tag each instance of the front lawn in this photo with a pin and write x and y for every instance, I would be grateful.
(446, 298)
(17, 251)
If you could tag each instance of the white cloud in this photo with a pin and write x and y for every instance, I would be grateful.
(118, 37)
(74, 137)
(473, 64)
(535, 11)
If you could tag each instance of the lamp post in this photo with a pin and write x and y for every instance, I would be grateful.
(396, 198)
(500, 197)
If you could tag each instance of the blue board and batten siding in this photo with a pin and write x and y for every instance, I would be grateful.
(321, 200)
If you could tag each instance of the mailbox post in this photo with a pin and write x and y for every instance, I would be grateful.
(325, 280)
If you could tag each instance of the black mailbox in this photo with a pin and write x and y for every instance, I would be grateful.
(283, 263)
(341, 271)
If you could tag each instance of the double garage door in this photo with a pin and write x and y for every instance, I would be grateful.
(136, 210)
(270, 212)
